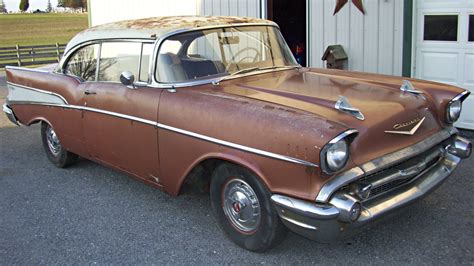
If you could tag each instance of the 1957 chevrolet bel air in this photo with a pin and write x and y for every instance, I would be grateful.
(219, 103)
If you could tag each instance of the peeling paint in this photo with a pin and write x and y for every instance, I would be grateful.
(153, 28)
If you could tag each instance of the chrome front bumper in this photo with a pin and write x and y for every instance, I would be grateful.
(9, 113)
(331, 220)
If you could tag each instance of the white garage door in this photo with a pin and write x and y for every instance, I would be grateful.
(445, 47)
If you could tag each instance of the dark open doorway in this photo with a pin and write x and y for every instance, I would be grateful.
(290, 15)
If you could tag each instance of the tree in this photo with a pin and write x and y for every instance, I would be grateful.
(73, 4)
(3, 7)
(24, 4)
(49, 8)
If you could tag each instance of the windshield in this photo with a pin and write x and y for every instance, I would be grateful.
(220, 52)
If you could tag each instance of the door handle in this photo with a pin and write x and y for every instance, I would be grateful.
(88, 92)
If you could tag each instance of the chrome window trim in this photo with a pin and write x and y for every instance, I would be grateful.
(381, 163)
(66, 56)
(155, 83)
(162, 126)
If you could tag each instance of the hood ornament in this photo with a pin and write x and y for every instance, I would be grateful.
(343, 105)
(408, 87)
(417, 121)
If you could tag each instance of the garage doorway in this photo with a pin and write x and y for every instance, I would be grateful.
(445, 48)
(290, 15)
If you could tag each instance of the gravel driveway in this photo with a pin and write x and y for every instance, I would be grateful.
(90, 214)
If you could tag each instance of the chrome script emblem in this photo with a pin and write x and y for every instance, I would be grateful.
(416, 122)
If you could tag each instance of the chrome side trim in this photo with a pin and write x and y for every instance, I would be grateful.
(15, 96)
(27, 69)
(178, 130)
(237, 146)
(381, 163)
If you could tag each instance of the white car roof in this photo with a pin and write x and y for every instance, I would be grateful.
(154, 28)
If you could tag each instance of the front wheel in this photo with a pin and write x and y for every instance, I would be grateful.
(242, 206)
(55, 152)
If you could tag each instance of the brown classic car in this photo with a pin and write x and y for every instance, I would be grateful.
(219, 104)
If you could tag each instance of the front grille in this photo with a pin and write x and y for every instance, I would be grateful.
(400, 174)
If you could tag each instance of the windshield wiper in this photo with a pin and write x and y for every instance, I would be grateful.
(251, 69)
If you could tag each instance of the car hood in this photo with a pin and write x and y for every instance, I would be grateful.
(378, 97)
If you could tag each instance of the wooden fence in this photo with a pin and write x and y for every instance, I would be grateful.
(30, 55)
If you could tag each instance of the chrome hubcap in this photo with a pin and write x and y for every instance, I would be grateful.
(241, 206)
(53, 142)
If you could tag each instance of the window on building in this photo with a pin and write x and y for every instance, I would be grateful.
(471, 28)
(83, 63)
(441, 28)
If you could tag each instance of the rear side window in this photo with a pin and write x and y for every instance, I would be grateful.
(83, 63)
(116, 57)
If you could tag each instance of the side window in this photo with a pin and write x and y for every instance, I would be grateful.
(116, 57)
(83, 63)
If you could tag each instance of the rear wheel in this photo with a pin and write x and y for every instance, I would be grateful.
(242, 206)
(55, 152)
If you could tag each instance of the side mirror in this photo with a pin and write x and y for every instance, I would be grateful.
(127, 78)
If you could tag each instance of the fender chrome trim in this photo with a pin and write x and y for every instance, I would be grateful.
(177, 130)
(12, 87)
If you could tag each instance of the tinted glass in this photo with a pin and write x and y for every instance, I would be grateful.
(116, 57)
(441, 28)
(83, 63)
(471, 28)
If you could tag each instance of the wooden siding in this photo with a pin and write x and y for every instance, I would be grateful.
(373, 42)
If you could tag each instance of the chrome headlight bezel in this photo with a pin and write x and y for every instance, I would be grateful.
(336, 153)
(453, 111)
(451, 118)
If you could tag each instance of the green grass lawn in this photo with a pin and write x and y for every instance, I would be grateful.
(32, 29)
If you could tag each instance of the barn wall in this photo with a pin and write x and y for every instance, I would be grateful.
(373, 42)
(242, 8)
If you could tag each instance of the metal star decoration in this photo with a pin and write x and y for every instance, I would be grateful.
(342, 3)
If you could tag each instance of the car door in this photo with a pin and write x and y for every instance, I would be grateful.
(119, 122)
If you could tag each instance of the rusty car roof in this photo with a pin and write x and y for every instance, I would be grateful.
(155, 27)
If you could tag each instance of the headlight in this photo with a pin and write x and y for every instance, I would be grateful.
(453, 111)
(335, 154)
